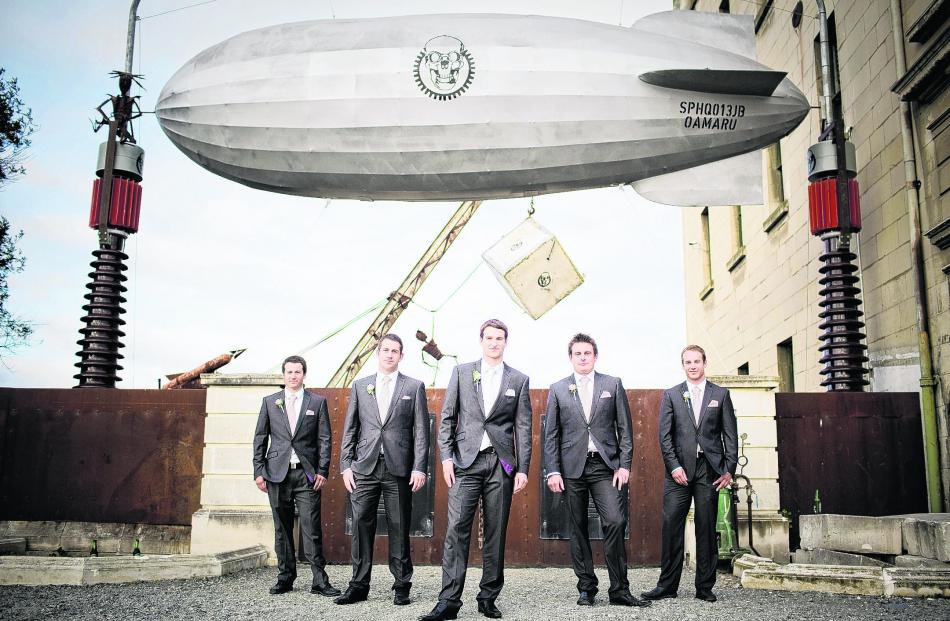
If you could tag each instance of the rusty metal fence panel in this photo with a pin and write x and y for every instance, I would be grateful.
(862, 453)
(97, 455)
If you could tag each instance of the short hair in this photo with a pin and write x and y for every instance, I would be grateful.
(695, 348)
(580, 337)
(293, 360)
(390, 337)
(493, 323)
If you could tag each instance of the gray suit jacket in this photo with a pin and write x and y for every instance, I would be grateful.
(716, 433)
(310, 440)
(464, 420)
(566, 429)
(404, 437)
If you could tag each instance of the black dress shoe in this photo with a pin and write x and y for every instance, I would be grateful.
(401, 598)
(586, 599)
(657, 593)
(706, 596)
(351, 596)
(489, 609)
(327, 590)
(440, 612)
(628, 600)
(281, 587)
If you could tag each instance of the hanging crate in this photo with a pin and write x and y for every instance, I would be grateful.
(533, 268)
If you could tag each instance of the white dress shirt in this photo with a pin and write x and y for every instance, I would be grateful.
(579, 383)
(491, 384)
(695, 404)
(384, 407)
(298, 403)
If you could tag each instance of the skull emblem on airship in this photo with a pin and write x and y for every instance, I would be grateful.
(444, 68)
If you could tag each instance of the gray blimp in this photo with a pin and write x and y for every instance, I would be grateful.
(456, 107)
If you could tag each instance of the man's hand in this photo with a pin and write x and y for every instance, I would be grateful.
(621, 476)
(679, 475)
(417, 480)
(722, 481)
(319, 481)
(261, 484)
(349, 481)
(556, 483)
(448, 472)
(521, 481)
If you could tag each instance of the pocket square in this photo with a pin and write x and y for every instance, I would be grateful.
(406, 397)
(713, 403)
(605, 395)
(309, 413)
(510, 392)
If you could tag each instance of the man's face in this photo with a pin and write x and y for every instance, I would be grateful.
(694, 366)
(583, 358)
(493, 343)
(293, 375)
(389, 354)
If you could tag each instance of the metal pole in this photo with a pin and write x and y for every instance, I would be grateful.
(928, 408)
(130, 39)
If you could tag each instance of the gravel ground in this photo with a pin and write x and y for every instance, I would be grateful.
(529, 594)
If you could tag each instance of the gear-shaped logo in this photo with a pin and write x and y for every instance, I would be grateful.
(444, 69)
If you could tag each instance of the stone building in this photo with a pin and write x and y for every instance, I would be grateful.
(752, 270)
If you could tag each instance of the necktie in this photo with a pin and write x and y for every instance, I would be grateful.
(292, 413)
(586, 397)
(697, 403)
(382, 398)
(489, 389)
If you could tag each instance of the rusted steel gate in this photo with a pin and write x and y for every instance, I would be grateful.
(97, 455)
(862, 453)
(525, 546)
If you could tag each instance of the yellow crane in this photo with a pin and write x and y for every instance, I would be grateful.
(398, 300)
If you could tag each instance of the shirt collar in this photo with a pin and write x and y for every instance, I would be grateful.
(578, 376)
(489, 368)
(702, 385)
(391, 376)
(288, 392)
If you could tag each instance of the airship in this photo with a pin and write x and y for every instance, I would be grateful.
(484, 106)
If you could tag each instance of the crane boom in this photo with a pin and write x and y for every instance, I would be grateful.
(398, 300)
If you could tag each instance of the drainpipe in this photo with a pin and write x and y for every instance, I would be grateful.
(928, 405)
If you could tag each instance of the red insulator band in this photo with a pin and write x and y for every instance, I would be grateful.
(126, 204)
(823, 205)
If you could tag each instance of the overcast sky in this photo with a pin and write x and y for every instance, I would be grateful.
(217, 266)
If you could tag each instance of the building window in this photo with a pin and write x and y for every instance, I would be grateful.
(775, 186)
(786, 366)
(764, 10)
(743, 369)
(707, 255)
(738, 245)
(724, 6)
(833, 61)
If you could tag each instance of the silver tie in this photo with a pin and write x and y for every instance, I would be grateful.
(587, 398)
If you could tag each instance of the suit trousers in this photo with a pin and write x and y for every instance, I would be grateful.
(485, 479)
(295, 488)
(676, 500)
(597, 482)
(397, 498)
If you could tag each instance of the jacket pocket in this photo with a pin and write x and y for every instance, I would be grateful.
(271, 454)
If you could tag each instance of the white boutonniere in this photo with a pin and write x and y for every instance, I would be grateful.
(686, 396)
(476, 377)
(573, 389)
(371, 389)
(279, 403)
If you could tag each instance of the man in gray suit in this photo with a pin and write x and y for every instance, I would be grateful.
(588, 450)
(384, 451)
(700, 450)
(485, 443)
(292, 467)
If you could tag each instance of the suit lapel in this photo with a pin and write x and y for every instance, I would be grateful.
(394, 395)
(707, 397)
(502, 388)
(576, 406)
(478, 388)
(375, 404)
(598, 389)
(687, 405)
(304, 402)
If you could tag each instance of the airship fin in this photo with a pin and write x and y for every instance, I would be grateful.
(732, 33)
(733, 181)
(722, 81)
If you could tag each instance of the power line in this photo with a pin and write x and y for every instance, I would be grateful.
(181, 8)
